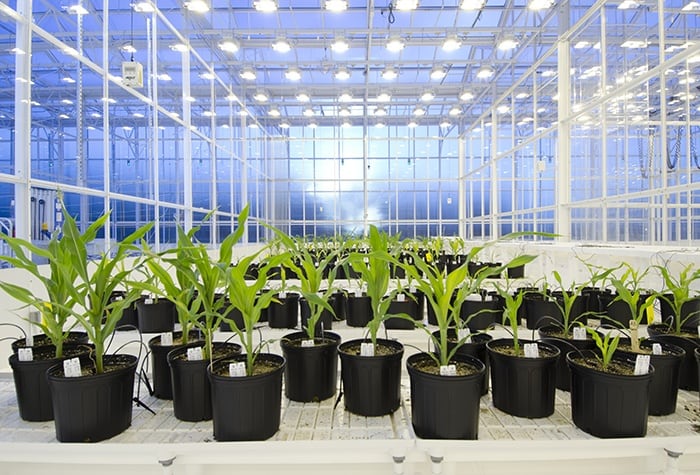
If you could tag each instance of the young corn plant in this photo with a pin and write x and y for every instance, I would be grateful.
(605, 345)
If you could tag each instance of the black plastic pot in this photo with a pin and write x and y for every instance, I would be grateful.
(565, 345)
(617, 311)
(445, 407)
(311, 373)
(359, 310)
(540, 312)
(408, 306)
(32, 387)
(608, 405)
(160, 369)
(475, 347)
(523, 387)
(129, 320)
(663, 389)
(324, 323)
(688, 371)
(155, 316)
(371, 384)
(246, 407)
(482, 314)
(94, 407)
(690, 311)
(697, 359)
(191, 389)
(43, 341)
(285, 313)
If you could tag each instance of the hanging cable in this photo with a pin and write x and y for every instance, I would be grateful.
(132, 34)
(672, 156)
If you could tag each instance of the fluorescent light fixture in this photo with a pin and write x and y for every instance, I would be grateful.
(281, 45)
(406, 5)
(309, 112)
(284, 124)
(419, 111)
(63, 116)
(536, 5)
(582, 44)
(248, 74)
(444, 123)
(144, 7)
(466, 96)
(634, 44)
(68, 79)
(76, 9)
(380, 112)
(67, 102)
(380, 124)
(345, 96)
(265, 5)
(471, 5)
(128, 48)
(229, 45)
(427, 96)
(261, 96)
(303, 96)
(138, 115)
(274, 112)
(503, 109)
(395, 44)
(344, 112)
(342, 74)
(522, 95)
(190, 99)
(628, 5)
(340, 45)
(548, 73)
(312, 124)
(197, 6)
(179, 47)
(412, 124)
(346, 123)
(389, 73)
(207, 76)
(455, 111)
(209, 114)
(691, 7)
(164, 77)
(508, 44)
(451, 43)
(438, 73)
(336, 5)
(384, 96)
(485, 72)
(293, 74)
(232, 97)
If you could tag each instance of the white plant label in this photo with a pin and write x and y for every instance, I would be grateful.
(448, 370)
(656, 349)
(283, 294)
(358, 293)
(412, 289)
(25, 354)
(400, 297)
(579, 333)
(366, 349)
(641, 365)
(463, 333)
(531, 350)
(195, 354)
(29, 340)
(118, 298)
(166, 339)
(148, 301)
(307, 343)
(236, 370)
(71, 368)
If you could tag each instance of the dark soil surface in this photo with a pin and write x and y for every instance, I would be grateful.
(429, 366)
(613, 367)
(509, 350)
(379, 350)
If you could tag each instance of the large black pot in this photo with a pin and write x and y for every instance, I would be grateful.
(311, 373)
(43, 341)
(523, 387)
(191, 389)
(129, 319)
(359, 310)
(690, 311)
(550, 334)
(246, 407)
(371, 384)
(688, 372)
(608, 405)
(160, 369)
(617, 311)
(285, 312)
(155, 316)
(541, 311)
(411, 306)
(483, 313)
(663, 389)
(445, 407)
(475, 347)
(325, 321)
(94, 407)
(32, 387)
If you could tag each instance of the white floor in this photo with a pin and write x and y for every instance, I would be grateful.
(323, 437)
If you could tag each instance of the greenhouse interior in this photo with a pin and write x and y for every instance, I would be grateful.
(565, 129)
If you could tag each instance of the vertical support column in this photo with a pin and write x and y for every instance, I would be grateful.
(244, 164)
(562, 214)
(461, 189)
(214, 222)
(663, 146)
(187, 140)
(106, 155)
(604, 124)
(493, 167)
(152, 30)
(80, 158)
(23, 118)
